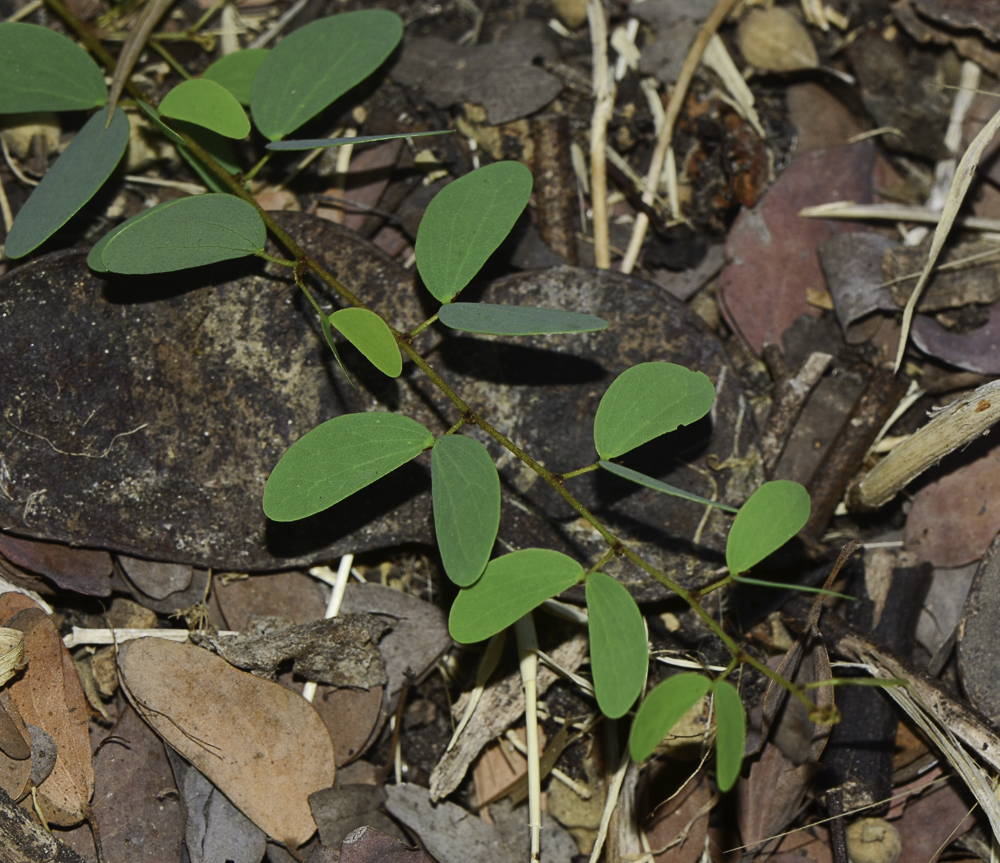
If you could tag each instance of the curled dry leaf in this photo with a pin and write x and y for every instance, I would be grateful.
(15, 750)
(11, 653)
(49, 696)
(259, 743)
(775, 41)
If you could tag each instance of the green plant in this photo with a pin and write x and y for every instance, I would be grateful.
(461, 229)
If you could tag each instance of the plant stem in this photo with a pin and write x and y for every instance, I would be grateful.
(417, 330)
(261, 162)
(582, 470)
(280, 261)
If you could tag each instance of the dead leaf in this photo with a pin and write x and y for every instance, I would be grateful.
(15, 743)
(774, 40)
(156, 578)
(355, 718)
(852, 264)
(259, 743)
(80, 570)
(43, 754)
(341, 810)
(973, 275)
(49, 695)
(289, 594)
(368, 845)
(677, 829)
(977, 350)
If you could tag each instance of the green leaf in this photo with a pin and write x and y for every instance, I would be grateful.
(510, 587)
(317, 64)
(656, 485)
(730, 734)
(372, 336)
(619, 655)
(236, 72)
(516, 320)
(646, 401)
(466, 491)
(188, 232)
(315, 143)
(774, 514)
(208, 104)
(338, 458)
(466, 222)
(42, 70)
(662, 710)
(74, 179)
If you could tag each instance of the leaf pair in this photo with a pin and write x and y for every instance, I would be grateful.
(668, 702)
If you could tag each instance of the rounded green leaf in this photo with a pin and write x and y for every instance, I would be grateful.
(646, 401)
(205, 103)
(188, 232)
(42, 70)
(774, 514)
(74, 179)
(338, 458)
(662, 710)
(516, 320)
(730, 734)
(510, 587)
(372, 336)
(236, 72)
(466, 222)
(619, 655)
(317, 64)
(466, 492)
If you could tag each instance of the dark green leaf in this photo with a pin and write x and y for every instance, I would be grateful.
(466, 222)
(372, 336)
(188, 232)
(73, 180)
(317, 64)
(236, 72)
(42, 70)
(731, 733)
(774, 514)
(619, 655)
(646, 401)
(466, 491)
(662, 709)
(338, 458)
(656, 485)
(314, 143)
(205, 103)
(516, 320)
(510, 587)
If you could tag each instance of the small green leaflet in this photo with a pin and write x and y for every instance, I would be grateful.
(74, 179)
(510, 587)
(188, 232)
(656, 485)
(314, 143)
(646, 401)
(730, 733)
(619, 655)
(773, 515)
(372, 336)
(516, 320)
(662, 709)
(466, 491)
(42, 70)
(466, 222)
(205, 103)
(338, 458)
(317, 64)
(236, 72)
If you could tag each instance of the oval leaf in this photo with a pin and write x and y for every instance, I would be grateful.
(73, 180)
(338, 458)
(317, 64)
(665, 488)
(662, 709)
(466, 492)
(510, 587)
(731, 734)
(466, 222)
(372, 336)
(319, 143)
(619, 655)
(42, 70)
(188, 232)
(516, 320)
(646, 401)
(236, 72)
(774, 514)
(208, 104)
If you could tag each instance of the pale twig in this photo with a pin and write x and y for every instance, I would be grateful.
(527, 650)
(80, 635)
(893, 213)
(708, 29)
(604, 105)
(25, 11)
(279, 25)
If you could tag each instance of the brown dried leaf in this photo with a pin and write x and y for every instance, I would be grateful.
(80, 570)
(342, 810)
(289, 594)
(976, 281)
(368, 845)
(156, 578)
(49, 695)
(354, 716)
(15, 743)
(259, 743)
(775, 40)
